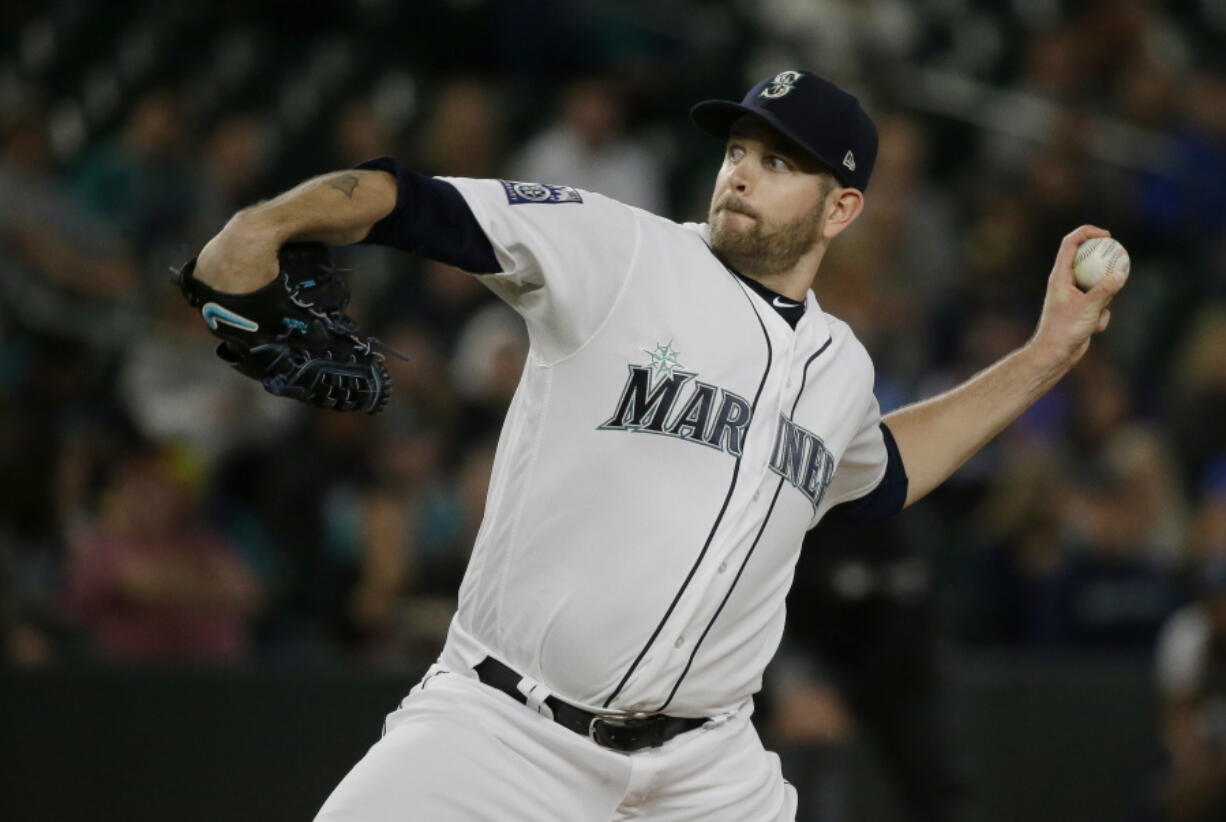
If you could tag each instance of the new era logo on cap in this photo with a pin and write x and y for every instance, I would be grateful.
(849, 160)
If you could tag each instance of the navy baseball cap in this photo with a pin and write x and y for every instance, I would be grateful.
(812, 112)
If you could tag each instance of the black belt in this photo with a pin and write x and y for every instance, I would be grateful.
(619, 734)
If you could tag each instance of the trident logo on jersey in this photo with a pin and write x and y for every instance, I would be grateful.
(784, 82)
(652, 402)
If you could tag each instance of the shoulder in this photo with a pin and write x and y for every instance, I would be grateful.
(514, 210)
(847, 347)
(528, 194)
(664, 238)
(700, 231)
(841, 332)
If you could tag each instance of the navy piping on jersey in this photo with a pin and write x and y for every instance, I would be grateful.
(431, 218)
(890, 495)
(719, 517)
(761, 530)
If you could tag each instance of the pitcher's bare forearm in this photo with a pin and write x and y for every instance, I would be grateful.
(337, 209)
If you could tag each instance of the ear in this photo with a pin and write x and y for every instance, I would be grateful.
(843, 206)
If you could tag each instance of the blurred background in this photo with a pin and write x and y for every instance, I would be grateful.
(209, 597)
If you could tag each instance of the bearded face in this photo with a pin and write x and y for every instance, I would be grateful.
(755, 245)
(769, 203)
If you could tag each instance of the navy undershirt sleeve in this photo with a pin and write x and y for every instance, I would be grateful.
(890, 495)
(431, 219)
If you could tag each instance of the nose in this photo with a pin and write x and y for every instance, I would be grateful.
(739, 179)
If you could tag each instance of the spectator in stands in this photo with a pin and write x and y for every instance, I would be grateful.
(849, 40)
(1201, 163)
(463, 134)
(445, 299)
(1142, 458)
(861, 613)
(427, 397)
(67, 304)
(1101, 406)
(1083, 529)
(63, 271)
(1057, 183)
(887, 279)
(234, 159)
(1197, 403)
(361, 133)
(808, 722)
(409, 521)
(310, 491)
(171, 386)
(1191, 671)
(139, 182)
(1182, 196)
(419, 526)
(587, 147)
(914, 217)
(150, 579)
(1018, 531)
(1109, 594)
(1207, 535)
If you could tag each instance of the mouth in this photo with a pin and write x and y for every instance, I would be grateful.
(738, 212)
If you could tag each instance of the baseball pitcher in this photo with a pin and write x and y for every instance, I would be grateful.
(686, 413)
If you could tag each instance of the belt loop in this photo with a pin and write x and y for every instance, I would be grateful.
(535, 693)
(718, 719)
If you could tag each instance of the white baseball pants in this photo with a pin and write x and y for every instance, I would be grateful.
(460, 751)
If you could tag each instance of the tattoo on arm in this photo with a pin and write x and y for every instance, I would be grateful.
(345, 184)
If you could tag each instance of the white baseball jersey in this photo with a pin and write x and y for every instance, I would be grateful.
(670, 441)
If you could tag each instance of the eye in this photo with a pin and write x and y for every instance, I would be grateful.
(735, 153)
(775, 163)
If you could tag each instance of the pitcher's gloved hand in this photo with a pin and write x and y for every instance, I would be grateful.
(293, 334)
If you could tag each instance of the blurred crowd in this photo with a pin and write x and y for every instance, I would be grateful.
(156, 506)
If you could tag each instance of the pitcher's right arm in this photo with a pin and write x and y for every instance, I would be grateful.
(338, 208)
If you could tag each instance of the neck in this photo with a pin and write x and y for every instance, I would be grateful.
(795, 281)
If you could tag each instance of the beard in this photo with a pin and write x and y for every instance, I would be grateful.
(761, 248)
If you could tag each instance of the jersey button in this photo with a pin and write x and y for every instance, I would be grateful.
(756, 494)
(723, 566)
(680, 641)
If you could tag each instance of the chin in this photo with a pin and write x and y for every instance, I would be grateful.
(726, 232)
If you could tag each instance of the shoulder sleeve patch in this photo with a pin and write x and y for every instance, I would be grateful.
(520, 193)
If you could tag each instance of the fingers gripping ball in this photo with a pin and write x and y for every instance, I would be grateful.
(1098, 257)
(293, 334)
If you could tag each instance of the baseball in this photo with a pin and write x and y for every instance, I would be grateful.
(1096, 259)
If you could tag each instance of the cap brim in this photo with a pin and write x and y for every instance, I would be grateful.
(716, 117)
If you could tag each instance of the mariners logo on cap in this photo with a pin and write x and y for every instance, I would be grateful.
(849, 160)
(784, 82)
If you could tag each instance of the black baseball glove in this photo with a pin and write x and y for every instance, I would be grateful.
(293, 334)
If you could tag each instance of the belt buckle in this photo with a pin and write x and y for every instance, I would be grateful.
(615, 722)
